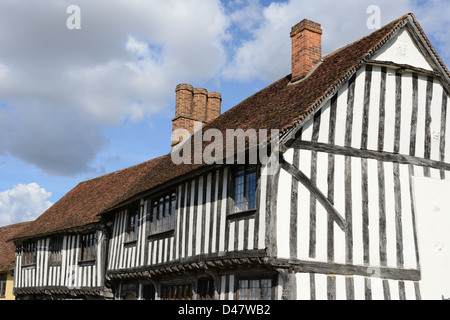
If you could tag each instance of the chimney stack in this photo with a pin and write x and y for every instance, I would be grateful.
(193, 105)
(306, 47)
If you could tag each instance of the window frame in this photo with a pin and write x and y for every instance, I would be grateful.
(88, 248)
(250, 277)
(3, 284)
(182, 291)
(55, 251)
(29, 253)
(164, 207)
(206, 288)
(232, 189)
(132, 227)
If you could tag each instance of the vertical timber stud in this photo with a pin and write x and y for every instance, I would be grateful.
(330, 180)
(312, 201)
(349, 282)
(271, 208)
(289, 291)
(216, 278)
(294, 212)
(442, 131)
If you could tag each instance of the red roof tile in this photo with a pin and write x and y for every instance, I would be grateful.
(7, 249)
(80, 206)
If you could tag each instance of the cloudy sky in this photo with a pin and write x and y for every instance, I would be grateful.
(79, 103)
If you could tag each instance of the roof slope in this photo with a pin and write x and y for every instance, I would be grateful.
(81, 206)
(280, 105)
(7, 249)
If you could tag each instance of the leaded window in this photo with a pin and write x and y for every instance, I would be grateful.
(29, 251)
(162, 213)
(3, 279)
(55, 250)
(133, 223)
(88, 246)
(254, 289)
(245, 179)
(176, 292)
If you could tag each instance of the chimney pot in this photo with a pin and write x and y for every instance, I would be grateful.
(214, 104)
(193, 105)
(183, 100)
(200, 100)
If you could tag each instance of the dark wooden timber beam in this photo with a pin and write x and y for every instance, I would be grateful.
(371, 154)
(302, 178)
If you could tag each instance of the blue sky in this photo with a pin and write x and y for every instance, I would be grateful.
(76, 104)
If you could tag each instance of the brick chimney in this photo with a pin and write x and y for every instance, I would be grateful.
(193, 105)
(306, 47)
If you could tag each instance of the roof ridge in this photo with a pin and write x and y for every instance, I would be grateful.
(379, 36)
(18, 224)
(368, 35)
(419, 27)
(122, 170)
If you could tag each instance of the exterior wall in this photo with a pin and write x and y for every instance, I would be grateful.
(362, 151)
(226, 285)
(401, 120)
(315, 286)
(204, 227)
(433, 219)
(9, 287)
(70, 274)
(402, 49)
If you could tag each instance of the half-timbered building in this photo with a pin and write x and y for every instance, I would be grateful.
(7, 259)
(349, 206)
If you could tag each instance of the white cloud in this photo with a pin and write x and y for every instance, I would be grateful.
(24, 202)
(63, 87)
(434, 17)
(266, 55)
(138, 48)
(246, 17)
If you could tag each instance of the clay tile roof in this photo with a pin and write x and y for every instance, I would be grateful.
(80, 206)
(7, 249)
(280, 105)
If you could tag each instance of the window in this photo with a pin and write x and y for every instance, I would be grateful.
(162, 213)
(254, 289)
(29, 253)
(55, 251)
(176, 292)
(245, 178)
(205, 288)
(2, 285)
(129, 291)
(133, 223)
(88, 247)
(148, 292)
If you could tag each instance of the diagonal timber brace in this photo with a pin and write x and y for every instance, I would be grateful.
(303, 179)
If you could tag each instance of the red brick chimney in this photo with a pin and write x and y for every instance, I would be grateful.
(306, 47)
(193, 105)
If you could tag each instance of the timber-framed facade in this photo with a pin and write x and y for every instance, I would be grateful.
(341, 214)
